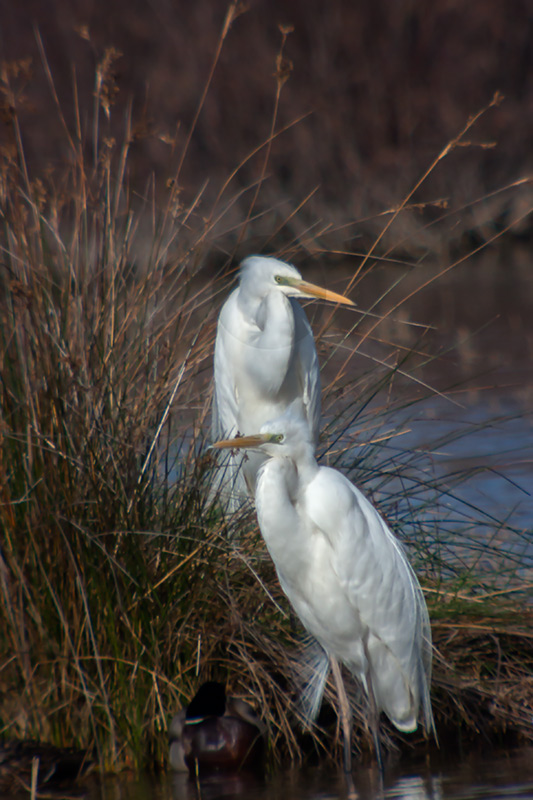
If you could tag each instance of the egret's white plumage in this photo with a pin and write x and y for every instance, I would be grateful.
(265, 358)
(345, 574)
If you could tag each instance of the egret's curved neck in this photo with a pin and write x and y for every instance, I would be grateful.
(306, 466)
(271, 314)
(288, 477)
(277, 499)
(276, 496)
(270, 342)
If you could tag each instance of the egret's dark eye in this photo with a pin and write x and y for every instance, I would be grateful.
(278, 279)
(277, 438)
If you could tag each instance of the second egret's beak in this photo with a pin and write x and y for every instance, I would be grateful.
(256, 440)
(311, 290)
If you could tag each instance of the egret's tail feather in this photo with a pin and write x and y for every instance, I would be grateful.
(428, 720)
(312, 673)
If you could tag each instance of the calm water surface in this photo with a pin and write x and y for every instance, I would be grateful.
(505, 775)
(482, 452)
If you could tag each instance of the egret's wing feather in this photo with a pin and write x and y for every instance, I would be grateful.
(225, 406)
(313, 674)
(306, 361)
(382, 590)
(228, 482)
(396, 616)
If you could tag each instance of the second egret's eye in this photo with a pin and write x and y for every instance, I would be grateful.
(278, 279)
(277, 438)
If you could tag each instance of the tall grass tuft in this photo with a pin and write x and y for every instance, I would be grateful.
(121, 586)
(96, 344)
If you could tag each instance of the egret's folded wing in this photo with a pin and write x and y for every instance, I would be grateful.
(227, 484)
(224, 412)
(383, 591)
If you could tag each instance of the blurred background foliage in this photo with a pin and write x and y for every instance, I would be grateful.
(381, 88)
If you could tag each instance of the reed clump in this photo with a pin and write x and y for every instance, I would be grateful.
(121, 585)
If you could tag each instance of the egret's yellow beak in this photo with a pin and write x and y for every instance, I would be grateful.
(256, 440)
(311, 290)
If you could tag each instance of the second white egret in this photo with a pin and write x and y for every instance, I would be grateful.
(346, 576)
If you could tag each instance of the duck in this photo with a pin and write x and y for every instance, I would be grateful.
(55, 765)
(216, 733)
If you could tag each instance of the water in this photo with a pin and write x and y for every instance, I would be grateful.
(480, 458)
(492, 441)
(494, 775)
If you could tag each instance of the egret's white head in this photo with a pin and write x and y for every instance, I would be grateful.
(286, 436)
(260, 275)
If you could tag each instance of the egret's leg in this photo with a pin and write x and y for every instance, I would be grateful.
(345, 714)
(374, 721)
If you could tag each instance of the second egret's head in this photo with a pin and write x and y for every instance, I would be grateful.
(287, 436)
(260, 275)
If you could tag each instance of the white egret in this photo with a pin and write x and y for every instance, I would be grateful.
(265, 358)
(347, 578)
